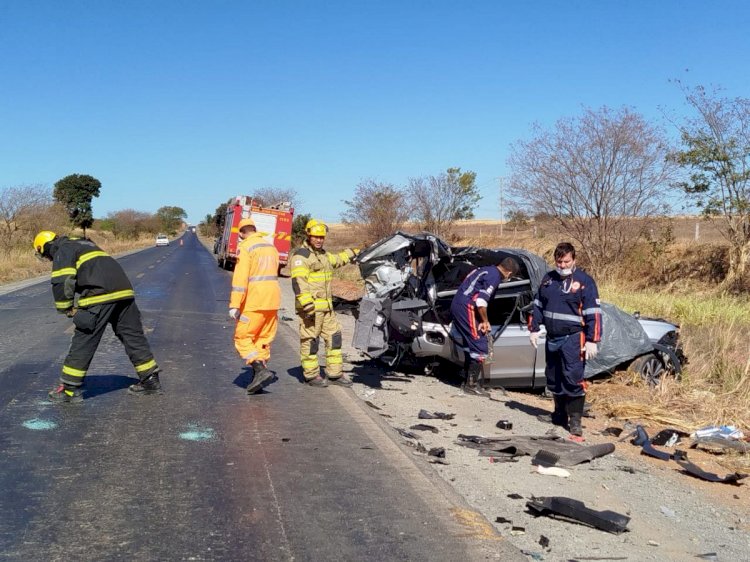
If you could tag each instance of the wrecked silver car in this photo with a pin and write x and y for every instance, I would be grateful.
(404, 316)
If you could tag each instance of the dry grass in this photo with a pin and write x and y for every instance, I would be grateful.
(18, 264)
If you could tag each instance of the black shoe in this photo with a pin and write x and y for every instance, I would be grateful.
(62, 394)
(575, 412)
(317, 381)
(149, 385)
(262, 378)
(343, 380)
(560, 414)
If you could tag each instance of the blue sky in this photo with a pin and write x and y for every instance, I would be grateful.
(189, 103)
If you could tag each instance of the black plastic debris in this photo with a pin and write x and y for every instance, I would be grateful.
(285, 439)
(371, 405)
(424, 427)
(515, 496)
(614, 431)
(668, 437)
(708, 556)
(503, 520)
(407, 434)
(425, 415)
(576, 510)
(543, 541)
(504, 424)
(642, 440)
(694, 470)
(438, 452)
(545, 458)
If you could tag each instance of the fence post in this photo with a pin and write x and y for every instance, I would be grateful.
(697, 231)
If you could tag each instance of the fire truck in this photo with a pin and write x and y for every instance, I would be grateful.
(274, 221)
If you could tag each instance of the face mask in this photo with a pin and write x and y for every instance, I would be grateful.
(564, 272)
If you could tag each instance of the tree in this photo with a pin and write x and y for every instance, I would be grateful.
(298, 229)
(439, 201)
(170, 218)
(19, 207)
(221, 216)
(75, 193)
(600, 177)
(129, 223)
(376, 210)
(716, 152)
(268, 196)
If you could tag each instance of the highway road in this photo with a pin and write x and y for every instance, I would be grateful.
(203, 471)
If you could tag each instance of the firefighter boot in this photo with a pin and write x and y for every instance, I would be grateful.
(575, 413)
(474, 381)
(146, 386)
(560, 415)
(262, 378)
(65, 394)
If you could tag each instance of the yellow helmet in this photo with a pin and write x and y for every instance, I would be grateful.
(43, 238)
(245, 222)
(316, 228)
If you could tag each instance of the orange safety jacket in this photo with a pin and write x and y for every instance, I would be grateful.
(255, 284)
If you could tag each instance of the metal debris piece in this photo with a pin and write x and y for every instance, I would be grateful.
(614, 431)
(502, 520)
(708, 556)
(371, 405)
(569, 508)
(504, 424)
(517, 530)
(543, 541)
(424, 427)
(720, 444)
(515, 496)
(545, 458)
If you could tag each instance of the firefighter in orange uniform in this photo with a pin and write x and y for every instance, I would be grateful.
(254, 302)
(312, 270)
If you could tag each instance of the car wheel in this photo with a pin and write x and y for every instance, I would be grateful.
(652, 367)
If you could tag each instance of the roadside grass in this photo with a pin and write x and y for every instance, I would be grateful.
(19, 263)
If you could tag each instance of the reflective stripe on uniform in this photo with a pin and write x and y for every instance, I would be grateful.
(334, 357)
(594, 310)
(309, 362)
(561, 316)
(300, 271)
(63, 305)
(304, 298)
(249, 249)
(238, 289)
(71, 372)
(262, 278)
(250, 356)
(64, 271)
(91, 255)
(145, 366)
(107, 297)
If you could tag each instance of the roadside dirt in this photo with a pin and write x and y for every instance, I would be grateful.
(674, 516)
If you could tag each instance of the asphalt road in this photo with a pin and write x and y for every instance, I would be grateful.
(203, 471)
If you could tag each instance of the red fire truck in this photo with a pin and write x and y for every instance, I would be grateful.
(274, 221)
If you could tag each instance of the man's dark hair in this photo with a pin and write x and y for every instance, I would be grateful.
(564, 248)
(511, 266)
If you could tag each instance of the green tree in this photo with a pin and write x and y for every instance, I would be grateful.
(170, 218)
(298, 229)
(716, 153)
(439, 201)
(75, 193)
(220, 217)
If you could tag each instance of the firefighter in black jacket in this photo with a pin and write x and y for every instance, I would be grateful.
(105, 296)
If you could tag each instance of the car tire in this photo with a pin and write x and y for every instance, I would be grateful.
(652, 367)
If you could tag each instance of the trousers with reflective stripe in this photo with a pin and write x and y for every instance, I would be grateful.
(90, 324)
(254, 333)
(323, 325)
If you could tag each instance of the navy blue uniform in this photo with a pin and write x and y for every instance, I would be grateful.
(569, 309)
(476, 290)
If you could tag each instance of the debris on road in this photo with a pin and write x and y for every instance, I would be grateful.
(425, 415)
(553, 471)
(695, 470)
(609, 521)
(424, 427)
(668, 437)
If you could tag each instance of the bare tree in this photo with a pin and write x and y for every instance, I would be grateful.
(376, 210)
(717, 153)
(20, 206)
(439, 201)
(130, 223)
(269, 196)
(601, 177)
